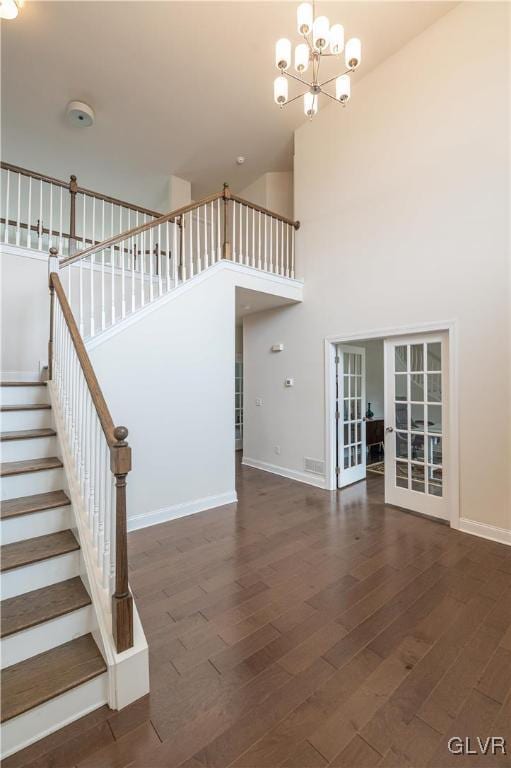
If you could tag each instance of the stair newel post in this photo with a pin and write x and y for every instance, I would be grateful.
(122, 601)
(73, 188)
(53, 266)
(226, 248)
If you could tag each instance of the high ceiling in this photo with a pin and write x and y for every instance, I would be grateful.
(178, 87)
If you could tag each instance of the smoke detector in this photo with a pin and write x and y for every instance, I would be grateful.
(80, 114)
(240, 160)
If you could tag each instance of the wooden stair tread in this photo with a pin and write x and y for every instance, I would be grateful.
(40, 605)
(29, 465)
(27, 434)
(24, 505)
(26, 407)
(34, 550)
(22, 383)
(41, 678)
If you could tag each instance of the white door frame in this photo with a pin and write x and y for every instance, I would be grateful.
(450, 327)
(356, 473)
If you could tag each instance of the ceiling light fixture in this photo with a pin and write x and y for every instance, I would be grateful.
(321, 40)
(9, 9)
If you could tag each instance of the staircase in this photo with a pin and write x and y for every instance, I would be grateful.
(52, 669)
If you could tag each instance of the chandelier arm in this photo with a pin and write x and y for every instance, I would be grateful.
(290, 101)
(325, 93)
(298, 79)
(330, 80)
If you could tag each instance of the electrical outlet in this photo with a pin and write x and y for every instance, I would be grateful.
(259, 401)
(277, 450)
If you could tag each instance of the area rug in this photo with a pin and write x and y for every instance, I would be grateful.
(378, 468)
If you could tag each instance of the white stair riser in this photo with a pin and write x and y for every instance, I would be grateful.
(23, 645)
(53, 715)
(14, 420)
(31, 483)
(42, 574)
(36, 524)
(36, 448)
(23, 395)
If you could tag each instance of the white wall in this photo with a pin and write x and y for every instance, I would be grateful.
(273, 190)
(170, 379)
(403, 200)
(25, 312)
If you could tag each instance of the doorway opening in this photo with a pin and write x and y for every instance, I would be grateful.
(391, 414)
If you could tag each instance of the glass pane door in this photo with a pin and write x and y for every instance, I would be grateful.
(416, 407)
(351, 441)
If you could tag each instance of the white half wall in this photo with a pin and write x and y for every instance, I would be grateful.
(403, 199)
(167, 374)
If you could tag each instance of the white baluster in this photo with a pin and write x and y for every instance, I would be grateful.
(175, 255)
(212, 238)
(150, 264)
(133, 247)
(190, 224)
(293, 234)
(40, 227)
(61, 237)
(234, 252)
(265, 263)
(206, 257)
(122, 246)
(271, 244)
(50, 228)
(259, 241)
(84, 234)
(80, 270)
(18, 213)
(92, 271)
(199, 258)
(8, 185)
(158, 261)
(142, 269)
(112, 268)
(29, 222)
(247, 227)
(218, 230)
(167, 260)
(253, 261)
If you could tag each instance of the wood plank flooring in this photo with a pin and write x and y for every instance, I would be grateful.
(304, 628)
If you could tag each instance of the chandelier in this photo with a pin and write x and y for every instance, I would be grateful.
(320, 41)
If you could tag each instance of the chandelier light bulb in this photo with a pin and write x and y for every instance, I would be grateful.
(310, 104)
(305, 17)
(280, 90)
(353, 52)
(301, 57)
(336, 39)
(320, 33)
(283, 53)
(8, 9)
(343, 88)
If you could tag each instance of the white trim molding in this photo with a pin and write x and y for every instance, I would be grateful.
(292, 474)
(183, 509)
(485, 531)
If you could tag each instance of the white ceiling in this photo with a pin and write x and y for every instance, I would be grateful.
(178, 87)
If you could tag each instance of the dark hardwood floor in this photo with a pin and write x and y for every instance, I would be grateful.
(304, 628)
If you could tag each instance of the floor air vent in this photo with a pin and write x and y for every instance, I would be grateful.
(315, 466)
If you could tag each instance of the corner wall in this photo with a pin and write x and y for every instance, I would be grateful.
(403, 200)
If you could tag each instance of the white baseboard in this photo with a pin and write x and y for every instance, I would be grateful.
(318, 481)
(180, 510)
(20, 376)
(484, 531)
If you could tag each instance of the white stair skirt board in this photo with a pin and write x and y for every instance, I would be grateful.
(35, 524)
(26, 578)
(11, 421)
(30, 483)
(23, 395)
(33, 725)
(491, 532)
(181, 510)
(49, 634)
(37, 447)
(317, 481)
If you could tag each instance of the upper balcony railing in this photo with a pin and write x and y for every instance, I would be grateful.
(112, 279)
(40, 212)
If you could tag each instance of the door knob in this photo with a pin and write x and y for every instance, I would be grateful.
(389, 429)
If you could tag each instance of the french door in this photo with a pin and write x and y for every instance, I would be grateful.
(416, 423)
(350, 412)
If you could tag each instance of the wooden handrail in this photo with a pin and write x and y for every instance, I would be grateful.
(96, 394)
(266, 211)
(120, 463)
(134, 231)
(83, 190)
